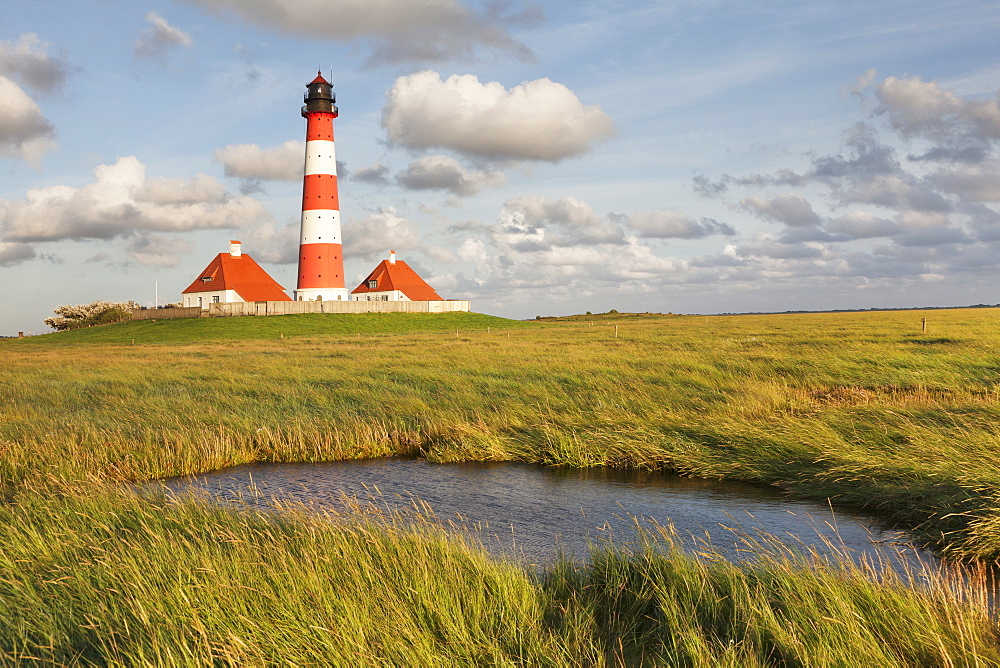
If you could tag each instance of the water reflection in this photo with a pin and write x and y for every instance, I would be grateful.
(532, 513)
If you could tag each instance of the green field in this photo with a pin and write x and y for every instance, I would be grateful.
(862, 408)
(310, 325)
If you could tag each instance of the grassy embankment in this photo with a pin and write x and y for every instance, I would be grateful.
(112, 579)
(859, 407)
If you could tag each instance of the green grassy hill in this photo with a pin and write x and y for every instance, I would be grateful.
(865, 409)
(206, 330)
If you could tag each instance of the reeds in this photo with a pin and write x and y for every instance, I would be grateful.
(108, 577)
(861, 408)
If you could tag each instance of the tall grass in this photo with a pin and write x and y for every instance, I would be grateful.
(861, 408)
(658, 605)
(110, 578)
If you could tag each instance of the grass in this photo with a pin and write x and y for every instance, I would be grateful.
(861, 408)
(110, 578)
(311, 325)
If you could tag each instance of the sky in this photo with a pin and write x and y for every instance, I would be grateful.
(536, 158)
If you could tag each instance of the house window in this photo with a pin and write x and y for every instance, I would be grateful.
(206, 279)
(215, 299)
(373, 283)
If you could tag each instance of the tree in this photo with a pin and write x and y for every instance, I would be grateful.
(87, 315)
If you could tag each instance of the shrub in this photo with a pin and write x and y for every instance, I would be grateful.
(87, 315)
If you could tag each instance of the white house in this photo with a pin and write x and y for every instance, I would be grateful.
(233, 277)
(394, 281)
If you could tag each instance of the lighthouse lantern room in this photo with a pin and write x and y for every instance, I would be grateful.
(321, 258)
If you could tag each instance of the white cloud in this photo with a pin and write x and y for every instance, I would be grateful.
(863, 82)
(250, 161)
(575, 221)
(637, 262)
(791, 209)
(377, 173)
(180, 192)
(268, 242)
(921, 219)
(440, 172)
(862, 225)
(474, 251)
(399, 30)
(922, 108)
(583, 256)
(442, 282)
(439, 255)
(536, 244)
(567, 249)
(536, 120)
(669, 224)
(899, 190)
(15, 253)
(979, 183)
(121, 201)
(766, 247)
(24, 133)
(155, 41)
(933, 236)
(378, 233)
(157, 250)
(27, 61)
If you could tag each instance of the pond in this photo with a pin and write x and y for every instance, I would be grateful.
(533, 513)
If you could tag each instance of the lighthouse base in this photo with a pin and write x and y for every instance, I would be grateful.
(322, 295)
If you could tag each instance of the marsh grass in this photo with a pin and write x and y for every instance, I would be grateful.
(114, 579)
(102, 576)
(656, 604)
(861, 408)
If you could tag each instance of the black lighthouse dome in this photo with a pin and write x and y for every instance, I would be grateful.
(319, 97)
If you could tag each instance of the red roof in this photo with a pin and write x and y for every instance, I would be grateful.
(398, 276)
(319, 79)
(241, 274)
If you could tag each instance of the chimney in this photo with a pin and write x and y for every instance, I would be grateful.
(392, 257)
(234, 248)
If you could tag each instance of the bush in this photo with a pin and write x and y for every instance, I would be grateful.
(87, 315)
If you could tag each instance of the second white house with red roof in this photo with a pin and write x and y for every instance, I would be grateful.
(394, 281)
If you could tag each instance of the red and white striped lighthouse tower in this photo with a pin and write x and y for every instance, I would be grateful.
(321, 258)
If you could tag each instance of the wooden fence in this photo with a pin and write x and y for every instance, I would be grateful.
(166, 313)
(291, 308)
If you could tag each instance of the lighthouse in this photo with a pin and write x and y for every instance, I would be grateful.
(321, 257)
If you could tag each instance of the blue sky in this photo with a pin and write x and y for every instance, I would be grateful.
(536, 158)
